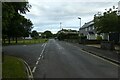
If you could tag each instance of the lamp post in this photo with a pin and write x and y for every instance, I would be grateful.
(80, 21)
(80, 25)
(60, 25)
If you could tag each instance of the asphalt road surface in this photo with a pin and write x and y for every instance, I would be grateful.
(58, 59)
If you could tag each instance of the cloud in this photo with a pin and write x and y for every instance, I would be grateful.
(46, 15)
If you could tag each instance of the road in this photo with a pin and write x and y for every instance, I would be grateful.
(58, 59)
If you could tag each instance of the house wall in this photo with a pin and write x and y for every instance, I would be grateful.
(88, 29)
(105, 36)
(91, 37)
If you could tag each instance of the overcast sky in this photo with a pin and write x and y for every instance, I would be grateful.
(47, 14)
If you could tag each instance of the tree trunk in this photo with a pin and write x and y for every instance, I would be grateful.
(13, 38)
(8, 40)
(24, 40)
(4, 40)
(16, 39)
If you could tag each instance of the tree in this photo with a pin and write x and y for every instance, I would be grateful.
(109, 22)
(12, 20)
(27, 27)
(67, 34)
(35, 34)
(47, 34)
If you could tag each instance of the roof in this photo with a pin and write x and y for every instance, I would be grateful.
(88, 24)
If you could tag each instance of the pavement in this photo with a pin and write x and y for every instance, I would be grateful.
(59, 59)
(117, 48)
(95, 49)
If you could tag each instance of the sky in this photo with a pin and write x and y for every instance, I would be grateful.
(48, 14)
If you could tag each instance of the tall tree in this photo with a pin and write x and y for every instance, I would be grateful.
(109, 22)
(12, 19)
(35, 34)
(47, 34)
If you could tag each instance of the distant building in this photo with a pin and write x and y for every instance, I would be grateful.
(28, 37)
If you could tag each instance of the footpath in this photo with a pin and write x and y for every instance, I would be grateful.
(113, 56)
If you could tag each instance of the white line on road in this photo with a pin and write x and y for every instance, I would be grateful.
(38, 58)
(43, 45)
(37, 62)
(24, 45)
(30, 75)
(43, 49)
(34, 69)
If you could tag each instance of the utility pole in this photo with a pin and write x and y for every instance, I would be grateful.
(80, 21)
(80, 24)
(60, 25)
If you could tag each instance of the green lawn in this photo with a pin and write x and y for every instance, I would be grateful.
(26, 42)
(13, 68)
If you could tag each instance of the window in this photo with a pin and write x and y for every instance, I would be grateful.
(85, 29)
(89, 28)
(93, 27)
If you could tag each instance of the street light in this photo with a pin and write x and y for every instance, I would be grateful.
(60, 25)
(80, 24)
(80, 21)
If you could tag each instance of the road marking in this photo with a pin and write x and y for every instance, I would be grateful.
(24, 45)
(100, 58)
(30, 75)
(39, 58)
(37, 62)
(42, 44)
(43, 49)
(34, 69)
(59, 46)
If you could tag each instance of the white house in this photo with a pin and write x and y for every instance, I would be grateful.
(88, 30)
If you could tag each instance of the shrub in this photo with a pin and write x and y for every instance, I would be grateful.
(99, 37)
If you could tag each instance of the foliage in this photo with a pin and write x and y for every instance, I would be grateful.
(54, 35)
(99, 37)
(47, 34)
(108, 22)
(26, 42)
(13, 68)
(82, 37)
(13, 23)
(67, 34)
(35, 34)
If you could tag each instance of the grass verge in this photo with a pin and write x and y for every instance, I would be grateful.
(26, 42)
(13, 68)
